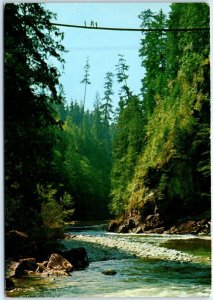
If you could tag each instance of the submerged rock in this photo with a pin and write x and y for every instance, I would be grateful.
(109, 272)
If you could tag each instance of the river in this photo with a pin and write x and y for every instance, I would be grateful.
(155, 266)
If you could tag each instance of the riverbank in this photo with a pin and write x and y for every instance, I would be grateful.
(141, 264)
(116, 247)
(155, 224)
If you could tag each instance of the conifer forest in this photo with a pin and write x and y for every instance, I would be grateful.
(142, 167)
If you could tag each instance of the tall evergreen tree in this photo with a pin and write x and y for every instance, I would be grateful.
(31, 85)
(106, 107)
(86, 80)
(97, 125)
(122, 76)
(153, 52)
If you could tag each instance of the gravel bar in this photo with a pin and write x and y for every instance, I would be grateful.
(138, 249)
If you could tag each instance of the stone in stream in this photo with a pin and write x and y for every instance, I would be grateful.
(56, 266)
(109, 272)
(21, 268)
(77, 257)
(59, 263)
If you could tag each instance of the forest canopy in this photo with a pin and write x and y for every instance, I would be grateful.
(63, 162)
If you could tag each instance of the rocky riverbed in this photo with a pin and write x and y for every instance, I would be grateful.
(118, 248)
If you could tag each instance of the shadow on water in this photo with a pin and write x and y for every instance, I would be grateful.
(196, 246)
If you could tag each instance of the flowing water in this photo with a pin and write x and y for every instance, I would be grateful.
(136, 277)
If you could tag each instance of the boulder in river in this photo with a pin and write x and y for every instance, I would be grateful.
(57, 266)
(77, 257)
(21, 268)
(59, 263)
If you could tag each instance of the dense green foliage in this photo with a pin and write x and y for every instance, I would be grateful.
(82, 161)
(64, 163)
(169, 161)
(31, 86)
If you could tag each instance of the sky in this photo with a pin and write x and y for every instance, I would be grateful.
(102, 47)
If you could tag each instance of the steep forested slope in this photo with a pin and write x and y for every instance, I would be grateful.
(165, 171)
